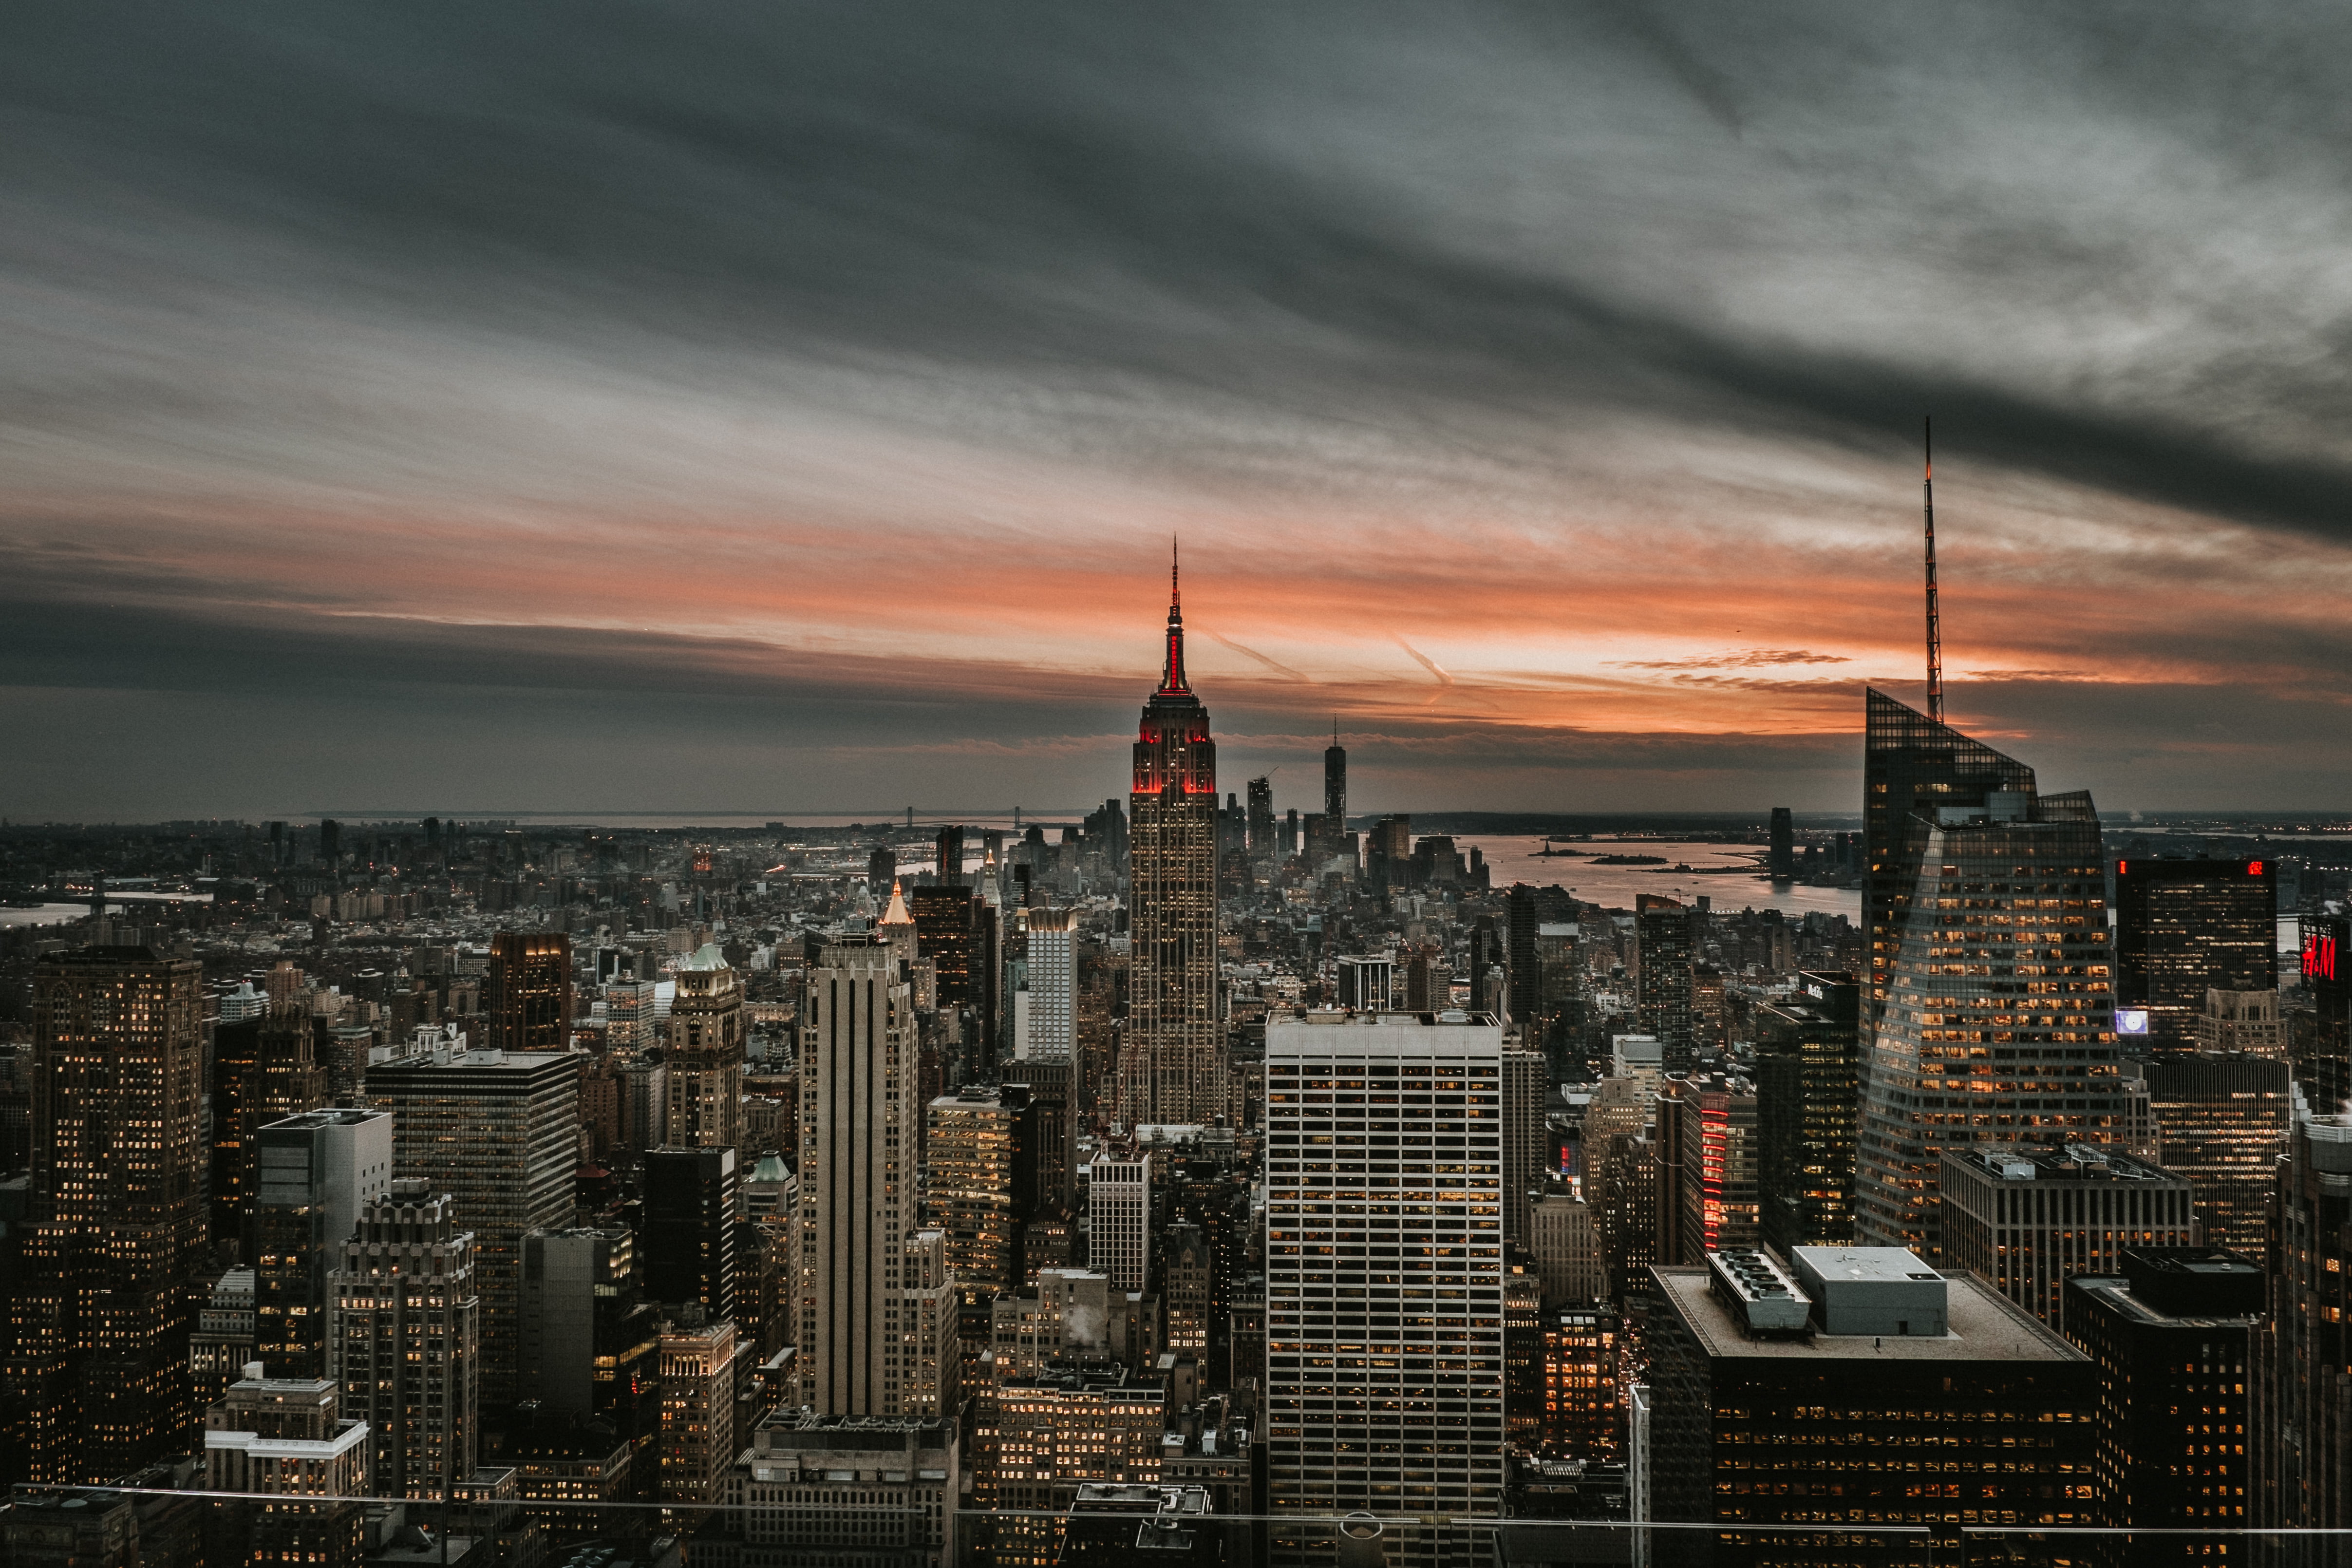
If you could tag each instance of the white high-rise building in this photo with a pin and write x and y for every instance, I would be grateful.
(1385, 1279)
(1047, 1026)
(1118, 1216)
(858, 1111)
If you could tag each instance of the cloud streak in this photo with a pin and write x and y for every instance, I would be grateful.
(732, 360)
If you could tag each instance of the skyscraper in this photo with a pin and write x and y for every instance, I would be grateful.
(1047, 1014)
(704, 1055)
(2187, 927)
(2173, 1331)
(977, 1175)
(265, 1069)
(318, 1171)
(857, 1110)
(97, 1384)
(404, 1337)
(2023, 1219)
(2307, 1428)
(1782, 850)
(1527, 1093)
(1262, 850)
(688, 1249)
(1335, 786)
(1667, 932)
(1912, 766)
(1118, 1210)
(499, 1133)
(2325, 1062)
(1384, 1276)
(1808, 1093)
(1174, 1037)
(1991, 1003)
(947, 865)
(2226, 1118)
(527, 997)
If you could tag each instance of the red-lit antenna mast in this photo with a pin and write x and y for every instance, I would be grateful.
(1935, 623)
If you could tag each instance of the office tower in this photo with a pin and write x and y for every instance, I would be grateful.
(222, 1345)
(1777, 1398)
(1366, 984)
(2325, 1064)
(404, 1339)
(988, 981)
(265, 1069)
(836, 1488)
(1995, 1025)
(945, 932)
(499, 1132)
(96, 1386)
(858, 1111)
(881, 869)
(688, 1247)
(2305, 1423)
(2173, 1333)
(1489, 993)
(1335, 787)
(977, 1169)
(1384, 1275)
(1523, 1344)
(1053, 1432)
(1808, 1093)
(1522, 919)
(2187, 927)
(704, 1055)
(1564, 1235)
(331, 842)
(1428, 978)
(318, 1171)
(587, 1330)
(1707, 1149)
(1187, 1288)
(1262, 848)
(1527, 1093)
(1912, 767)
(527, 997)
(2245, 1021)
(2023, 1217)
(697, 1410)
(283, 1438)
(1780, 860)
(2226, 1118)
(1667, 933)
(947, 865)
(1077, 1316)
(1582, 1416)
(1047, 1014)
(929, 1308)
(1175, 1037)
(1118, 1214)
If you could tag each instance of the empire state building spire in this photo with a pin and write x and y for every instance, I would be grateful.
(1172, 675)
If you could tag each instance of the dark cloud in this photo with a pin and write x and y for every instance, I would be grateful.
(266, 262)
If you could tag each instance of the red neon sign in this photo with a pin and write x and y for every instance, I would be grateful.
(2254, 868)
(2319, 958)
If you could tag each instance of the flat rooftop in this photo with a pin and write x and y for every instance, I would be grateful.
(1888, 1265)
(1984, 1326)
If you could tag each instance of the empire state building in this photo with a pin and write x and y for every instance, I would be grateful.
(1174, 1037)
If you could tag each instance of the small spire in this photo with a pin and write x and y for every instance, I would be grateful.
(1935, 620)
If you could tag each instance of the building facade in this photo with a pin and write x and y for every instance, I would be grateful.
(1808, 1101)
(1384, 1275)
(856, 1195)
(1996, 1025)
(316, 1172)
(527, 993)
(2024, 1219)
(403, 1340)
(499, 1132)
(1172, 1069)
(2187, 927)
(704, 1055)
(97, 1381)
(2226, 1118)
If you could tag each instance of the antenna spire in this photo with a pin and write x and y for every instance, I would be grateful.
(1934, 621)
(1175, 595)
(1172, 681)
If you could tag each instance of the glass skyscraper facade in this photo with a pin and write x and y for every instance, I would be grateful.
(1991, 1004)
(2187, 927)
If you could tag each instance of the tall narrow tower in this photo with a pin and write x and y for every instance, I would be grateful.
(1174, 1033)
(1935, 618)
(1335, 786)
